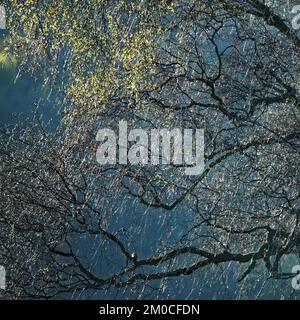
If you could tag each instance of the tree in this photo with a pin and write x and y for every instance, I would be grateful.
(71, 226)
